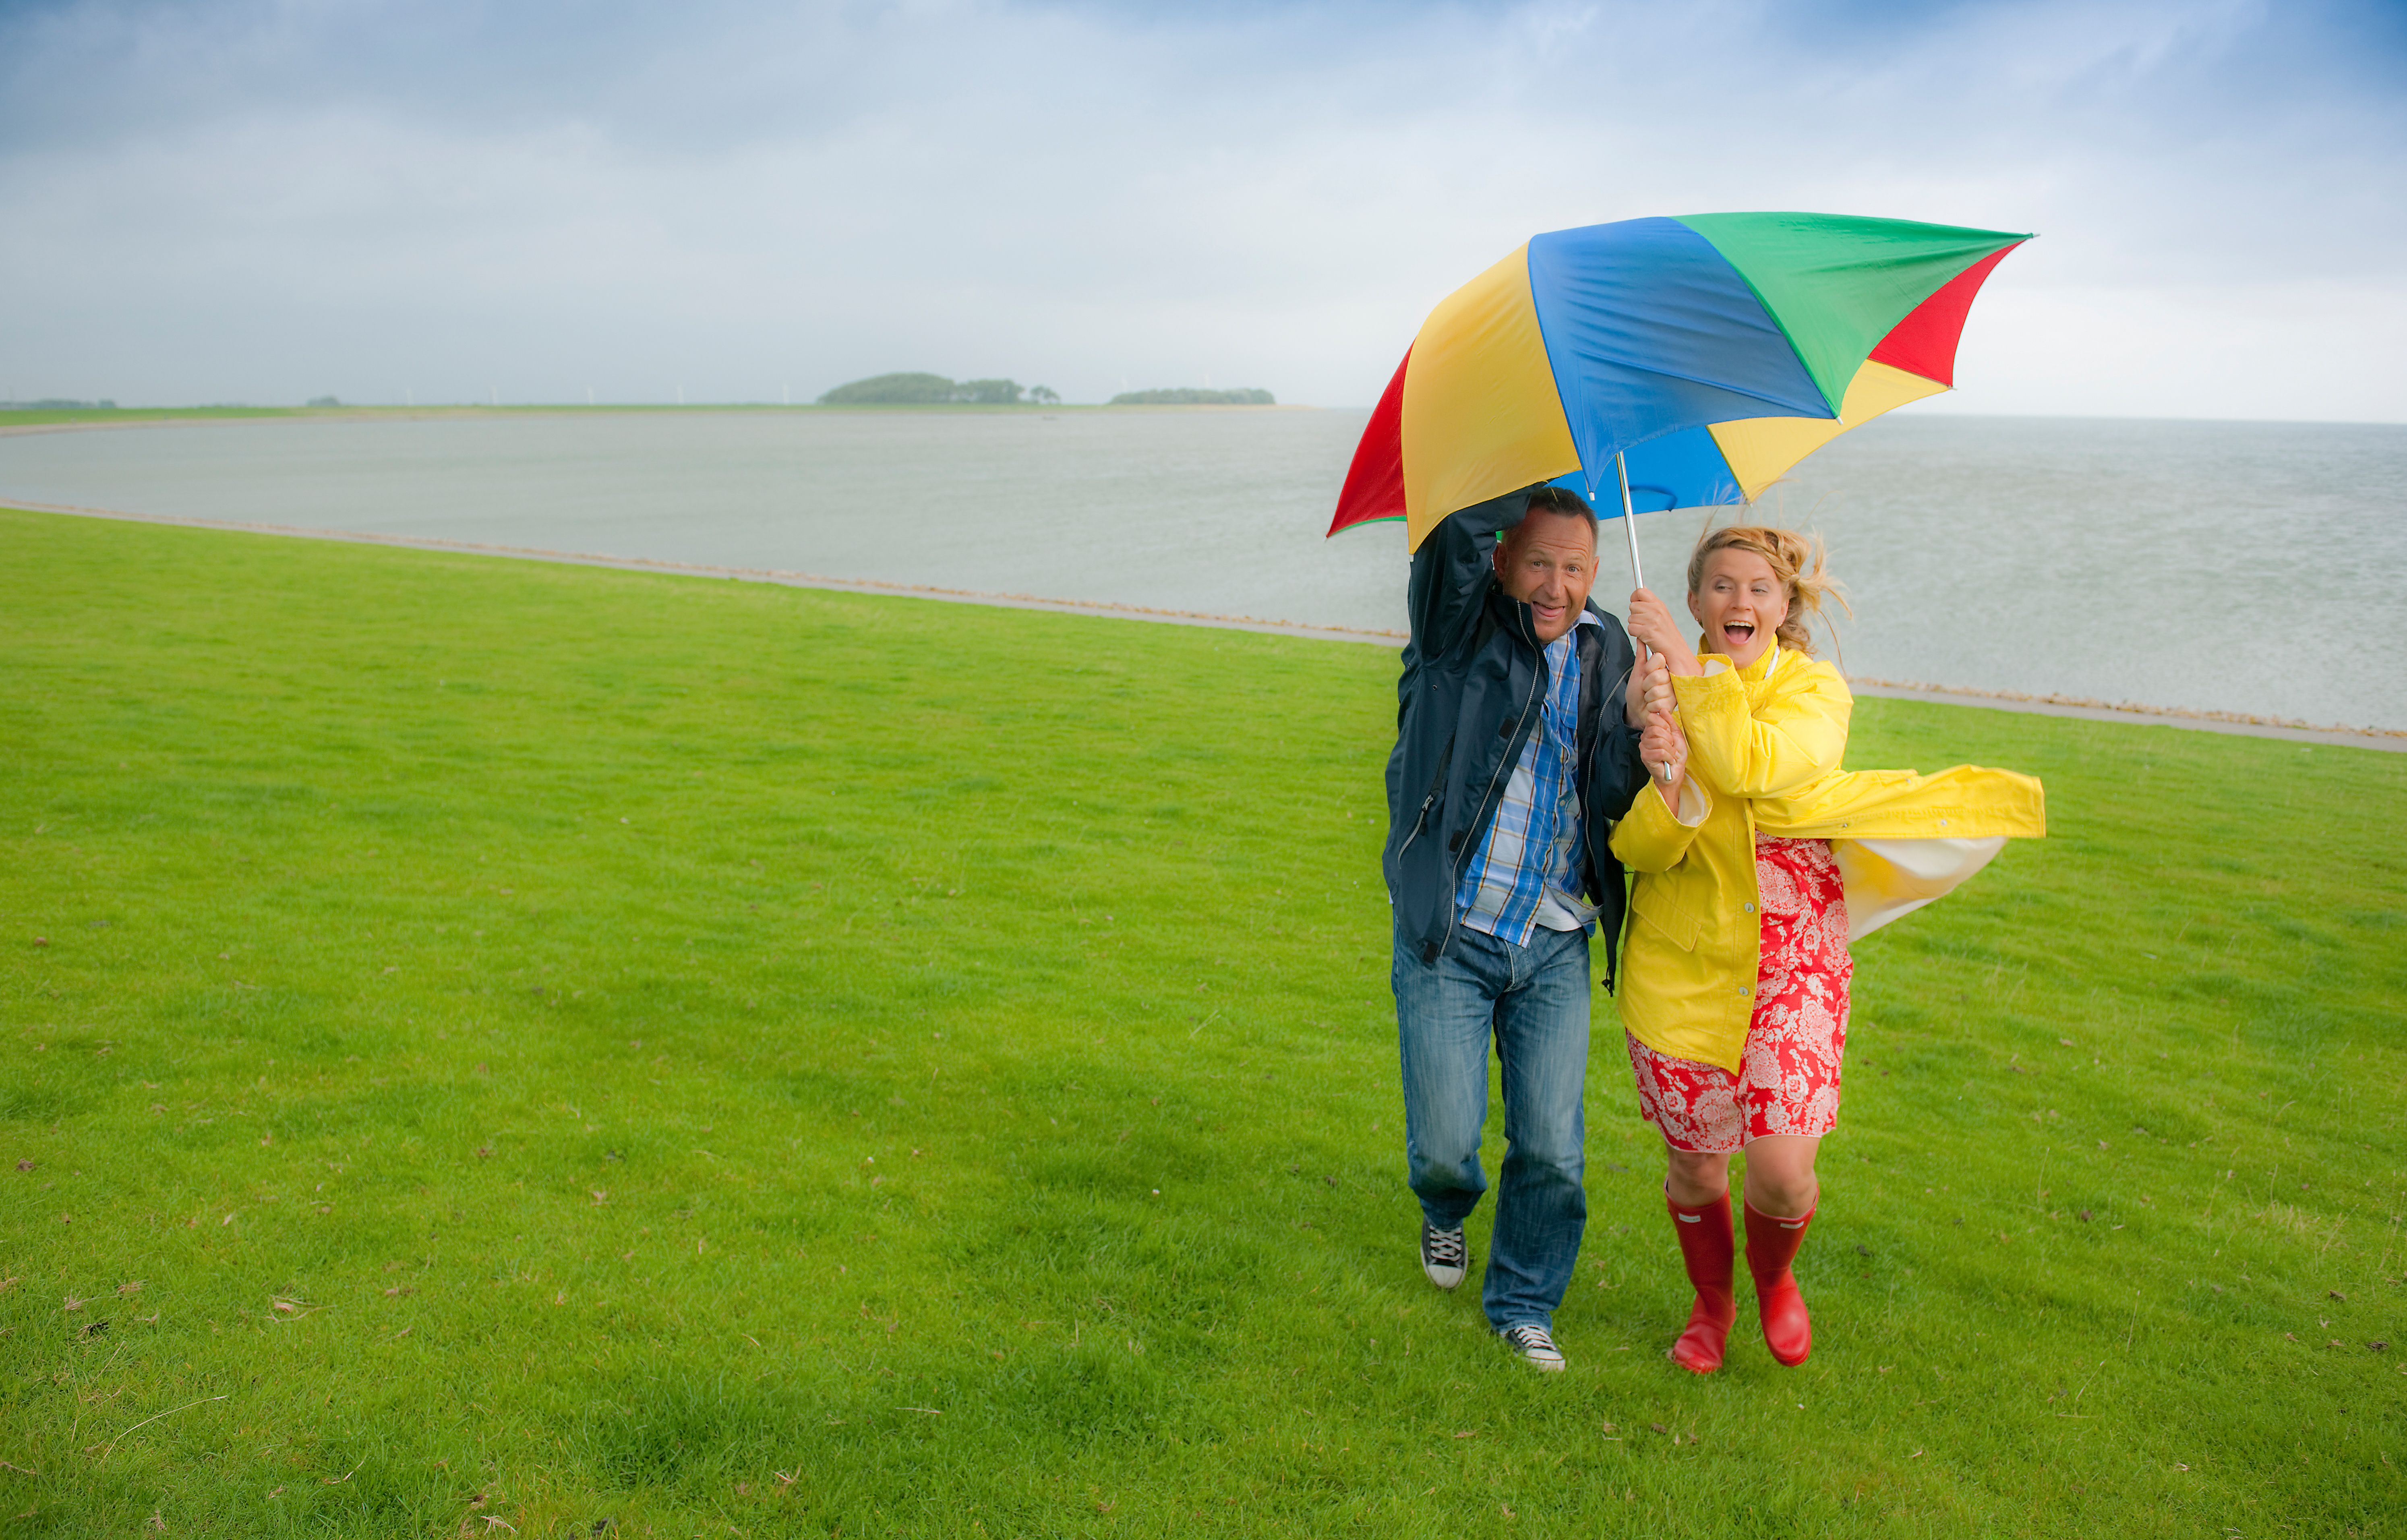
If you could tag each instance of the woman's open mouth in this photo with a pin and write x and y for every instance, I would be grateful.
(1739, 632)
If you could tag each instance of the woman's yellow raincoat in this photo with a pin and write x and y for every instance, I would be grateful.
(1764, 747)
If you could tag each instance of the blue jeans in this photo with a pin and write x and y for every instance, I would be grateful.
(1534, 1001)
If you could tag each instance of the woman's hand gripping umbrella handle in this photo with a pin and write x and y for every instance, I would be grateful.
(1650, 680)
(1648, 696)
(1664, 744)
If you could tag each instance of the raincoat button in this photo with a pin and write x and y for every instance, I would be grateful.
(1749, 908)
(1742, 988)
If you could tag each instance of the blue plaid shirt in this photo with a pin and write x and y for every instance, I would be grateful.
(1525, 873)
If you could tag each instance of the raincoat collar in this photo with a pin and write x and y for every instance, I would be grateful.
(1757, 673)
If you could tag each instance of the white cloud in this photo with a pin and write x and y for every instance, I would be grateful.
(266, 202)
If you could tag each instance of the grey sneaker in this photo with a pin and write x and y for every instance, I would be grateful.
(1536, 1344)
(1444, 1257)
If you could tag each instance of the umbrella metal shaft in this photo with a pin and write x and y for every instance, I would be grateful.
(1628, 520)
(1630, 528)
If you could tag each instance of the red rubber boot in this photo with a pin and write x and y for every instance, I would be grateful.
(1706, 1251)
(1771, 1247)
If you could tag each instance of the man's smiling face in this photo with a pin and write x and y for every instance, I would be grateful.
(1548, 561)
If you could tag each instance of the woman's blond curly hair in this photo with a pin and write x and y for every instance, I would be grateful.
(1801, 562)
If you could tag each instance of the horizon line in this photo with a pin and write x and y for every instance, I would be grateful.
(101, 416)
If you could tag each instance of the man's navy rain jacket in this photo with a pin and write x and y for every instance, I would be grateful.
(1474, 680)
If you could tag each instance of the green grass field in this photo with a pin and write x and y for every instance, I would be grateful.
(490, 1048)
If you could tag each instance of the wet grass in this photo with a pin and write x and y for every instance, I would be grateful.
(484, 1044)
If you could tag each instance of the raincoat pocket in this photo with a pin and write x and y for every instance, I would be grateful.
(1678, 925)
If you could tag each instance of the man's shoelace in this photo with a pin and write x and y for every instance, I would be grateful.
(1445, 1247)
(1530, 1338)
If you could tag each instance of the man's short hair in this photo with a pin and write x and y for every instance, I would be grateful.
(1556, 500)
(1553, 499)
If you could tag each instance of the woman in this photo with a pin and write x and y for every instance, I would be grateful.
(1759, 859)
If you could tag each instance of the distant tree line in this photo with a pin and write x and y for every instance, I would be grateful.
(920, 389)
(1188, 397)
(56, 404)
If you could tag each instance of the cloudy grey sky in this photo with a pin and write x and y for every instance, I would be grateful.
(218, 200)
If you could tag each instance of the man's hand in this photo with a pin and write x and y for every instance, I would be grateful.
(1649, 690)
(1664, 751)
(1650, 621)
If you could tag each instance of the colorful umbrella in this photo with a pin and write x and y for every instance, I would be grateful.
(1693, 359)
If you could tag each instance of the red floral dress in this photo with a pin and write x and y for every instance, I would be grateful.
(1788, 1073)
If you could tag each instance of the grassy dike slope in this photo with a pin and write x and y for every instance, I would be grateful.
(547, 1045)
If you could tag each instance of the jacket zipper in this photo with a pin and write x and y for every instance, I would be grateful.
(1607, 709)
(1437, 784)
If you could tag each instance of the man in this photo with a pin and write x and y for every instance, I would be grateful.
(1516, 745)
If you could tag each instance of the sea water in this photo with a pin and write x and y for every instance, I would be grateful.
(2237, 567)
